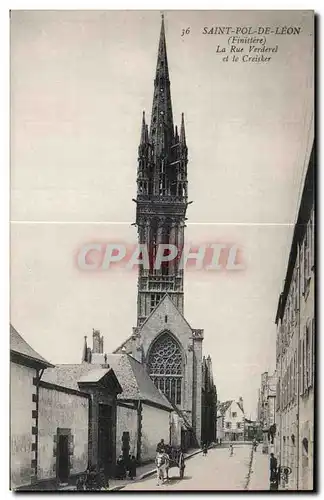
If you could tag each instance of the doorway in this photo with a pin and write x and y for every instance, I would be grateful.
(105, 442)
(62, 457)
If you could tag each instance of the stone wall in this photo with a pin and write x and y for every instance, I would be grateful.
(22, 405)
(155, 426)
(175, 429)
(167, 318)
(127, 421)
(59, 409)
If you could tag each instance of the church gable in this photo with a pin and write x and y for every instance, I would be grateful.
(165, 318)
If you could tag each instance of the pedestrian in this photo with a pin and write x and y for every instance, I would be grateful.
(231, 450)
(132, 467)
(120, 468)
(204, 449)
(81, 483)
(91, 481)
(160, 447)
(273, 467)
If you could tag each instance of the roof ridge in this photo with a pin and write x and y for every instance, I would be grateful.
(22, 348)
(158, 305)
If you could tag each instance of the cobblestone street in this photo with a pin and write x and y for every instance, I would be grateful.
(217, 471)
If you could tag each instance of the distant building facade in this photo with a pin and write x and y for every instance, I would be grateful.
(252, 430)
(295, 350)
(230, 421)
(267, 410)
(208, 403)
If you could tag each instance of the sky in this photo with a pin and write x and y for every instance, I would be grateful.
(79, 83)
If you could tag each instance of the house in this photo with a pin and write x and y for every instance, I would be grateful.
(143, 411)
(26, 368)
(230, 421)
(296, 347)
(62, 418)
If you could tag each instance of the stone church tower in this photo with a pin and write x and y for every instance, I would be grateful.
(163, 340)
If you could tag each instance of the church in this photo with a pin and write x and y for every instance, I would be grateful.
(157, 384)
(170, 350)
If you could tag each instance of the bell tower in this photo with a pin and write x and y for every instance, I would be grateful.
(161, 200)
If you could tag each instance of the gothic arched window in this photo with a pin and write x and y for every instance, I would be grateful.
(165, 367)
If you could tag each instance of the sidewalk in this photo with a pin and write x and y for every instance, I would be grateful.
(259, 479)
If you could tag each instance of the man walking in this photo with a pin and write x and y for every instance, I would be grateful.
(160, 447)
(274, 480)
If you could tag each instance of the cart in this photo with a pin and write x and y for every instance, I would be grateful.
(176, 459)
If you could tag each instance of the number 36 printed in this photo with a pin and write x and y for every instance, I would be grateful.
(185, 31)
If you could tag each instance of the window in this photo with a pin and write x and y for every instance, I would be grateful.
(313, 350)
(301, 366)
(308, 357)
(155, 300)
(312, 239)
(307, 257)
(278, 395)
(234, 414)
(238, 425)
(302, 274)
(165, 367)
(228, 425)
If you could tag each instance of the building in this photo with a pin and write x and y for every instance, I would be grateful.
(62, 418)
(230, 421)
(295, 348)
(208, 403)
(142, 408)
(267, 410)
(169, 349)
(26, 368)
(252, 430)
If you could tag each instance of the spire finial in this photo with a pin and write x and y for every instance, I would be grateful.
(143, 131)
(182, 130)
(161, 117)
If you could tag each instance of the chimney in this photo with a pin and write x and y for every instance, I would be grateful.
(85, 350)
(89, 355)
(101, 344)
(96, 341)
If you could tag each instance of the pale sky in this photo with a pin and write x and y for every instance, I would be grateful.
(79, 84)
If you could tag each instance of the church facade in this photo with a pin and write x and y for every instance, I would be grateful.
(163, 341)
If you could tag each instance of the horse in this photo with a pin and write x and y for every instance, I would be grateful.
(162, 467)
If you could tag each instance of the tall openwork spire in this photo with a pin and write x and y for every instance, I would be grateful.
(161, 201)
(161, 131)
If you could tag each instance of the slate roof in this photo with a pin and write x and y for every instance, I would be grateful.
(94, 375)
(19, 346)
(69, 375)
(240, 406)
(135, 382)
(131, 375)
(223, 407)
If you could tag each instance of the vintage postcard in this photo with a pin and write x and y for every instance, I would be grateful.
(162, 330)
